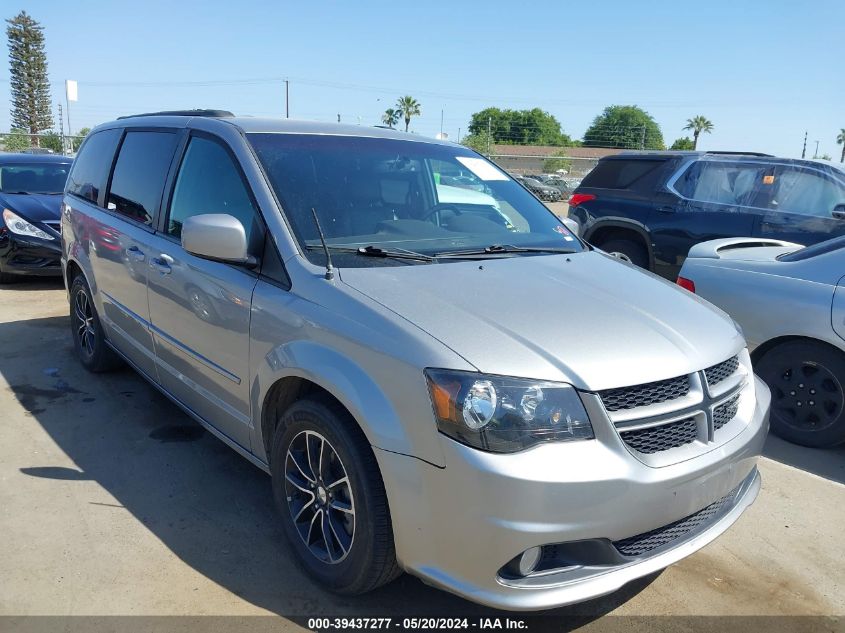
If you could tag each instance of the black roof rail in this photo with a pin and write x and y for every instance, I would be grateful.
(727, 153)
(198, 112)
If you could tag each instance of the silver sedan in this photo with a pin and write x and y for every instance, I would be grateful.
(790, 302)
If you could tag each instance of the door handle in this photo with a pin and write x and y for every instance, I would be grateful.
(136, 254)
(161, 264)
(665, 209)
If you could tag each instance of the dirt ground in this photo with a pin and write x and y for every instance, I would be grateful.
(113, 502)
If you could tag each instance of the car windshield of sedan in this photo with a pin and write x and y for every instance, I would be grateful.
(33, 178)
(403, 197)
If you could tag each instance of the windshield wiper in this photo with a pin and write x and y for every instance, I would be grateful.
(504, 249)
(376, 251)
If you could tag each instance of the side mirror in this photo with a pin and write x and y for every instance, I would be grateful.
(839, 212)
(216, 236)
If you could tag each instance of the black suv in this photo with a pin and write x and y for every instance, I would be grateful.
(651, 207)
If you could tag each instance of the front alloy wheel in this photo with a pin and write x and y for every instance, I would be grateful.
(84, 323)
(319, 497)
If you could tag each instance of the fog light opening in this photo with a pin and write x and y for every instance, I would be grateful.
(526, 563)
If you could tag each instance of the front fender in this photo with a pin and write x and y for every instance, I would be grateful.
(376, 411)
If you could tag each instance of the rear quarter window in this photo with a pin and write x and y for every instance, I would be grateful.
(621, 173)
(91, 168)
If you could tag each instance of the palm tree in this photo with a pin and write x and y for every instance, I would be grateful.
(840, 140)
(408, 107)
(390, 117)
(698, 124)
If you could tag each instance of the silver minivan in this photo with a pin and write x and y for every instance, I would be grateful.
(438, 375)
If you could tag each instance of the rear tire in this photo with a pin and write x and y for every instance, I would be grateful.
(626, 250)
(808, 400)
(334, 511)
(87, 331)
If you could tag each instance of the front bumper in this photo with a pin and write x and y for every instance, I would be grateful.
(456, 527)
(21, 255)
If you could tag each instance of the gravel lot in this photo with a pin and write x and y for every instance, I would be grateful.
(114, 502)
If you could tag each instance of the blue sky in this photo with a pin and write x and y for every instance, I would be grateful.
(763, 72)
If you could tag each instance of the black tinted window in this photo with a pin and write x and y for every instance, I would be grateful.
(91, 167)
(209, 182)
(619, 173)
(139, 174)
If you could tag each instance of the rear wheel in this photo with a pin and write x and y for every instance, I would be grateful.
(87, 331)
(626, 250)
(808, 399)
(329, 491)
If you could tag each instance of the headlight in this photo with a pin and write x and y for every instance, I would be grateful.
(17, 224)
(505, 415)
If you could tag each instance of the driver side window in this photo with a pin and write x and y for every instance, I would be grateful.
(209, 181)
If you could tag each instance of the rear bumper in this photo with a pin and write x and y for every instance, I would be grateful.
(456, 527)
(30, 256)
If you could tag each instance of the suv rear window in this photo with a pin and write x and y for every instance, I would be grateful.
(91, 168)
(139, 174)
(620, 173)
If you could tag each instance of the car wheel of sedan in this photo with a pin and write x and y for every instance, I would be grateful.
(808, 399)
(329, 491)
(88, 337)
(626, 250)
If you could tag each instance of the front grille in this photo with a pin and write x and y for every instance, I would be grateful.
(661, 438)
(646, 394)
(725, 412)
(649, 541)
(717, 373)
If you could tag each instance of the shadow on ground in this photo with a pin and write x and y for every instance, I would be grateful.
(824, 462)
(35, 283)
(209, 506)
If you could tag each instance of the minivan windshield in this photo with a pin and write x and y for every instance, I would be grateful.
(403, 201)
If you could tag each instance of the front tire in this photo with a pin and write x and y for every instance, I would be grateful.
(808, 400)
(329, 492)
(87, 331)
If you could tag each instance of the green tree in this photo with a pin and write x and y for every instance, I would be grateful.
(52, 140)
(519, 127)
(30, 87)
(556, 162)
(698, 124)
(16, 140)
(685, 143)
(408, 107)
(481, 142)
(390, 117)
(840, 140)
(77, 139)
(624, 127)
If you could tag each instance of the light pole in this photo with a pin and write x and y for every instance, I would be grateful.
(816, 154)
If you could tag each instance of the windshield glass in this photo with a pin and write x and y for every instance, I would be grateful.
(33, 178)
(394, 194)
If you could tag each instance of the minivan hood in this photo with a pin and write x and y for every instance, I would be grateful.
(585, 318)
(35, 207)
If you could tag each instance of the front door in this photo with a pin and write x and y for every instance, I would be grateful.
(800, 205)
(200, 309)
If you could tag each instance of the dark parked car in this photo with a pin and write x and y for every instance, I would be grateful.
(546, 193)
(651, 207)
(31, 187)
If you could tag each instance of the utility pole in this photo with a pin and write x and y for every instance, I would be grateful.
(642, 140)
(459, 135)
(804, 151)
(338, 117)
(287, 99)
(62, 127)
(816, 154)
(441, 122)
(489, 132)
